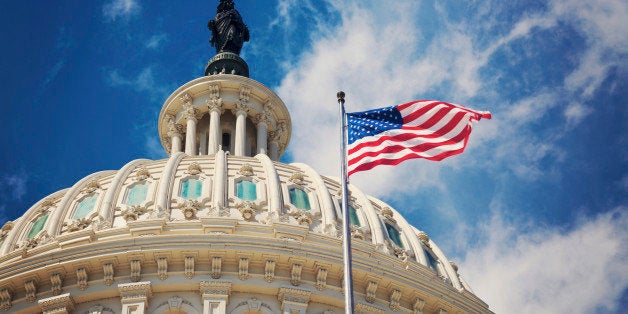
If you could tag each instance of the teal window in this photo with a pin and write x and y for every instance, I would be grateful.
(299, 199)
(353, 216)
(191, 188)
(137, 194)
(37, 226)
(394, 235)
(246, 190)
(431, 261)
(85, 207)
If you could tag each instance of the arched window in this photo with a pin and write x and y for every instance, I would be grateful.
(353, 216)
(84, 207)
(137, 194)
(246, 190)
(37, 226)
(394, 235)
(299, 199)
(191, 188)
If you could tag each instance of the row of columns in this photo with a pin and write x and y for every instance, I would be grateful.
(175, 131)
(134, 298)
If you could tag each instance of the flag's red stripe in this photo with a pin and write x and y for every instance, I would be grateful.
(410, 136)
(419, 148)
(419, 112)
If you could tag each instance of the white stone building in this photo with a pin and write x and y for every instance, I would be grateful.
(221, 226)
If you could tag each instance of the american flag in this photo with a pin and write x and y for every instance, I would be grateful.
(426, 129)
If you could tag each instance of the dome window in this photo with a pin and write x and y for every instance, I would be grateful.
(394, 235)
(353, 216)
(299, 199)
(431, 261)
(191, 188)
(137, 194)
(85, 207)
(37, 226)
(246, 190)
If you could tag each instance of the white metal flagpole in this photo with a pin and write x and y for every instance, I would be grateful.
(346, 231)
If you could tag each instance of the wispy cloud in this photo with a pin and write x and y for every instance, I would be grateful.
(14, 185)
(143, 81)
(526, 268)
(115, 9)
(156, 41)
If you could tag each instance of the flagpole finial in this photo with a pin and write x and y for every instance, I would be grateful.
(341, 96)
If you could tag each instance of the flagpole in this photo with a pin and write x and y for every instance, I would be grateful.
(346, 231)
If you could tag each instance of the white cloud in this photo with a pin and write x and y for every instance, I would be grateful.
(156, 41)
(574, 113)
(144, 81)
(120, 8)
(526, 268)
(14, 185)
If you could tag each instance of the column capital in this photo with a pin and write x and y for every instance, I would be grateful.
(186, 99)
(240, 107)
(57, 305)
(174, 129)
(191, 113)
(214, 104)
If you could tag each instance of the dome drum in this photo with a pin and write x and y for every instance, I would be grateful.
(227, 112)
(144, 205)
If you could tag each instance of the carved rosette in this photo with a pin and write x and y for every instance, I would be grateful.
(189, 208)
(303, 217)
(248, 210)
(133, 213)
(297, 178)
(387, 213)
(91, 187)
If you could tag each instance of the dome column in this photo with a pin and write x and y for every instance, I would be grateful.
(191, 118)
(275, 137)
(215, 296)
(175, 133)
(240, 111)
(262, 131)
(215, 109)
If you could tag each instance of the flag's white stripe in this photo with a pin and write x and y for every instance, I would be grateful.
(415, 106)
(426, 116)
(398, 155)
(408, 143)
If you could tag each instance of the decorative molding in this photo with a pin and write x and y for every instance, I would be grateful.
(216, 267)
(56, 281)
(219, 288)
(441, 311)
(303, 217)
(31, 290)
(57, 304)
(387, 213)
(8, 226)
(356, 232)
(194, 169)
(269, 271)
(162, 268)
(424, 238)
(108, 273)
(395, 296)
(418, 305)
(136, 270)
(5, 299)
(133, 213)
(91, 186)
(321, 279)
(297, 178)
(189, 267)
(246, 170)
(77, 224)
(186, 99)
(135, 292)
(142, 173)
(364, 309)
(81, 278)
(295, 274)
(294, 295)
(454, 266)
(371, 288)
(243, 268)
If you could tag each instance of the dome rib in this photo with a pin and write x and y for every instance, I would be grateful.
(107, 209)
(327, 211)
(275, 201)
(162, 203)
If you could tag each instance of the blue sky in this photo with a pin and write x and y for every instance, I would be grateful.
(534, 212)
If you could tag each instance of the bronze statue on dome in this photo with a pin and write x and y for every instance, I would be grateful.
(229, 32)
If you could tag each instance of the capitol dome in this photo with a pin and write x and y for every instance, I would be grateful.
(220, 226)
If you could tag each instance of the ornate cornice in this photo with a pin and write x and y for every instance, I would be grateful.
(294, 295)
